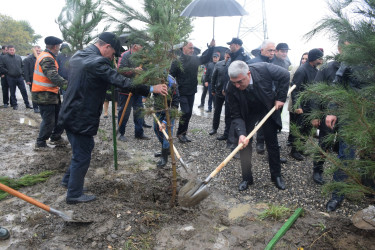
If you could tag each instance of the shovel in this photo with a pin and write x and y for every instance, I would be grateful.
(123, 112)
(174, 148)
(66, 217)
(195, 190)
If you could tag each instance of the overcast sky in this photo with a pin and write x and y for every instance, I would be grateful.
(287, 21)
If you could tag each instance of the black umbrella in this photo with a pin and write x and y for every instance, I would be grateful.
(214, 8)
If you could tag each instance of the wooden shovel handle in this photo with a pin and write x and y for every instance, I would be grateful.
(125, 108)
(24, 197)
(166, 136)
(238, 148)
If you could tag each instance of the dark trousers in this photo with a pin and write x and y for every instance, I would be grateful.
(82, 147)
(13, 83)
(135, 103)
(186, 105)
(245, 157)
(48, 126)
(219, 101)
(5, 89)
(211, 98)
(304, 128)
(318, 161)
(160, 135)
(34, 104)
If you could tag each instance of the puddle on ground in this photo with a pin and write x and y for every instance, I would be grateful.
(28, 121)
(239, 211)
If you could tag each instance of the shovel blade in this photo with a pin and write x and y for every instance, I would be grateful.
(192, 193)
(68, 216)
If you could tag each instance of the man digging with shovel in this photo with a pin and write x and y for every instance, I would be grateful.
(251, 97)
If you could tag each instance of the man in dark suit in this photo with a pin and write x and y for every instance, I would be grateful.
(251, 97)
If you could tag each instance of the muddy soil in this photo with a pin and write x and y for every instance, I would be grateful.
(133, 208)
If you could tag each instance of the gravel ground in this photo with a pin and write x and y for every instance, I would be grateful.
(205, 153)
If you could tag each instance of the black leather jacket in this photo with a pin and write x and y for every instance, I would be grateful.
(220, 77)
(89, 78)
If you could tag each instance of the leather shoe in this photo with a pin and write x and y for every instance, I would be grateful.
(187, 138)
(15, 107)
(5, 106)
(122, 138)
(83, 198)
(4, 233)
(244, 185)
(29, 107)
(332, 205)
(279, 182)
(260, 148)
(318, 178)
(143, 137)
(146, 125)
(182, 138)
(208, 111)
(36, 110)
(283, 160)
(296, 156)
(222, 138)
(201, 106)
(212, 132)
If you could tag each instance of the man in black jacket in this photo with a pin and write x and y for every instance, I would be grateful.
(219, 80)
(28, 69)
(13, 66)
(251, 97)
(207, 80)
(305, 74)
(4, 83)
(89, 78)
(185, 70)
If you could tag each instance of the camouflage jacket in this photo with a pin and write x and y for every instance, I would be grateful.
(50, 71)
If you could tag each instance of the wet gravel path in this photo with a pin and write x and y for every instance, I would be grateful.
(205, 153)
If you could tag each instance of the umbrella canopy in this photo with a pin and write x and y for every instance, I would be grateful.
(214, 8)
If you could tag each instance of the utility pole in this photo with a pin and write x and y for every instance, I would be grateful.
(252, 29)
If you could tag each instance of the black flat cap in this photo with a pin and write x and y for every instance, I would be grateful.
(52, 40)
(113, 40)
(235, 41)
(315, 54)
(282, 46)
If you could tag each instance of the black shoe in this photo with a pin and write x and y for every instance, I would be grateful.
(4, 233)
(201, 106)
(122, 138)
(260, 148)
(182, 138)
(283, 160)
(146, 125)
(143, 137)
(36, 110)
(332, 205)
(212, 132)
(15, 107)
(5, 106)
(279, 182)
(65, 185)
(296, 156)
(29, 107)
(318, 178)
(208, 110)
(245, 185)
(164, 158)
(222, 138)
(83, 198)
(187, 138)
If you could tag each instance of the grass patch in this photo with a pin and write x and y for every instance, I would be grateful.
(196, 130)
(27, 180)
(275, 212)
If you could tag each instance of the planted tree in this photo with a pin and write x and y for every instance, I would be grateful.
(157, 27)
(78, 22)
(352, 101)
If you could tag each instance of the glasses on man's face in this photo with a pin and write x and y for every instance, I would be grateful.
(238, 82)
(271, 50)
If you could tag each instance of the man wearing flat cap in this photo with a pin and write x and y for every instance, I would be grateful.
(90, 76)
(305, 74)
(281, 56)
(45, 92)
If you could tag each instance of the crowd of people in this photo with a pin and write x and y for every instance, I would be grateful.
(249, 88)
